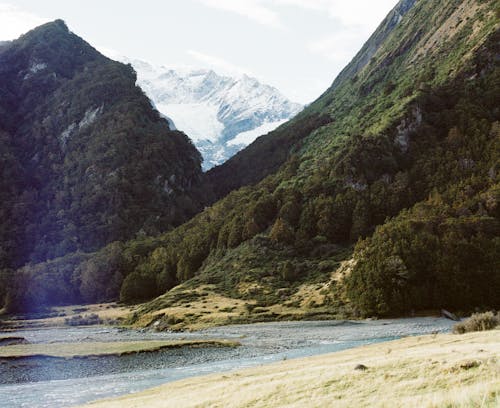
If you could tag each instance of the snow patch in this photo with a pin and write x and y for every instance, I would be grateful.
(199, 121)
(90, 117)
(170, 122)
(66, 134)
(245, 138)
(37, 66)
(34, 68)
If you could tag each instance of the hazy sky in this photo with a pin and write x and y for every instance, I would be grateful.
(299, 46)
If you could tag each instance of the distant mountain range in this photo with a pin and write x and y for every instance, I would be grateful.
(221, 114)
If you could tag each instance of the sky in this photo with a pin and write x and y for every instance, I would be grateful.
(298, 46)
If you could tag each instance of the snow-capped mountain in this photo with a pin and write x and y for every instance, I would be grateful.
(221, 114)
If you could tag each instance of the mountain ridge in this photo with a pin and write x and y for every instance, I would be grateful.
(220, 113)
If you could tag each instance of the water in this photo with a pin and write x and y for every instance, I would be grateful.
(261, 344)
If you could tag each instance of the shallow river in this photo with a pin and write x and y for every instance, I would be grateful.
(64, 383)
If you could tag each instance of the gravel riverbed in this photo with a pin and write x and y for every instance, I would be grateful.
(48, 382)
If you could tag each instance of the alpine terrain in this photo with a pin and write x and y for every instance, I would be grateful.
(221, 114)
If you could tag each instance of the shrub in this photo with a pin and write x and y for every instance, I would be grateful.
(86, 320)
(478, 322)
(138, 287)
(281, 232)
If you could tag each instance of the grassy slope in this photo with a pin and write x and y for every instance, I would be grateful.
(92, 349)
(427, 371)
(196, 304)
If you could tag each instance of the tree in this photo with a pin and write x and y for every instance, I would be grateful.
(102, 275)
(138, 287)
(288, 271)
(282, 233)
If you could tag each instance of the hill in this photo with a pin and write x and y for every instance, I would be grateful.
(85, 160)
(394, 170)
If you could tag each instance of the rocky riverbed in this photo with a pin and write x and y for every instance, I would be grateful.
(48, 382)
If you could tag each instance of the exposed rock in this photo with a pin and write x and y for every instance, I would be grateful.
(361, 367)
(407, 126)
(449, 315)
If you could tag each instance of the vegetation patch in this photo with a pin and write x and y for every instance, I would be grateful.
(478, 322)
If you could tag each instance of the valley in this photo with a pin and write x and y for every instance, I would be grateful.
(193, 231)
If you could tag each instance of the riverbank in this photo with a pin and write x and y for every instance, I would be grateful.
(425, 371)
(103, 349)
(36, 383)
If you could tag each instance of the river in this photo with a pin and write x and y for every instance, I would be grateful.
(65, 383)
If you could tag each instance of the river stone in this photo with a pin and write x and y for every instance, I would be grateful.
(361, 367)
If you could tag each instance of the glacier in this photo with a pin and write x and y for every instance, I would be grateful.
(221, 114)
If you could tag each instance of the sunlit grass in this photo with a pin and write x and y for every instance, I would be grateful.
(426, 371)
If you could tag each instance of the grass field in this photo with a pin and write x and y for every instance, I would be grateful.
(91, 349)
(428, 371)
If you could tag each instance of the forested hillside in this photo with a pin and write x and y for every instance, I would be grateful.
(408, 140)
(395, 168)
(85, 160)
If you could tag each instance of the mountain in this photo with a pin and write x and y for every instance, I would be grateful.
(378, 199)
(269, 152)
(85, 160)
(221, 114)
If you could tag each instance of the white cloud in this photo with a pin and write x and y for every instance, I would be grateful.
(252, 9)
(15, 21)
(357, 19)
(348, 12)
(339, 47)
(219, 64)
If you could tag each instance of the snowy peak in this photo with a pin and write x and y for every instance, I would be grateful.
(221, 114)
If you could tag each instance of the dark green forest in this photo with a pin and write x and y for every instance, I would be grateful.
(85, 160)
(396, 166)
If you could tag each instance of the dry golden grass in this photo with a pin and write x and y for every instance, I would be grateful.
(211, 309)
(91, 349)
(215, 309)
(201, 307)
(427, 371)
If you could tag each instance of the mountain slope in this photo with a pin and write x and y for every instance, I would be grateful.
(406, 142)
(418, 122)
(221, 114)
(85, 159)
(269, 152)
